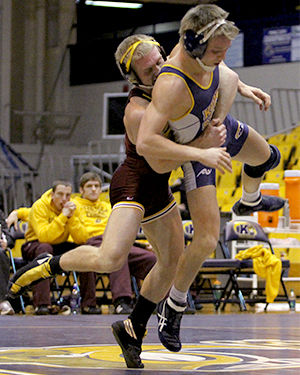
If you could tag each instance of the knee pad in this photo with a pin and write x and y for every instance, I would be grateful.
(271, 163)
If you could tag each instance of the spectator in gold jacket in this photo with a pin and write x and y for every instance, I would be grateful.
(94, 212)
(53, 218)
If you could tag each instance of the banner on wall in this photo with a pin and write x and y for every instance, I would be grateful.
(295, 53)
(281, 44)
(235, 54)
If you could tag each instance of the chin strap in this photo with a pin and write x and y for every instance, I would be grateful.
(150, 87)
(207, 68)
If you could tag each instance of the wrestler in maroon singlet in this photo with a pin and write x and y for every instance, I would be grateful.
(135, 182)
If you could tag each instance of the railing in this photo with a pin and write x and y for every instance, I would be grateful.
(16, 187)
(49, 126)
(283, 115)
(103, 157)
(285, 108)
(21, 187)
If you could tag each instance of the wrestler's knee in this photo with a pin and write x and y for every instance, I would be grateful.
(204, 244)
(113, 262)
(259, 170)
(167, 262)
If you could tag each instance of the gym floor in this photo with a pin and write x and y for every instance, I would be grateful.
(239, 343)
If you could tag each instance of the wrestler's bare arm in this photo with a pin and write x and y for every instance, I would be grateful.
(213, 136)
(228, 86)
(261, 98)
(230, 80)
(133, 115)
(170, 100)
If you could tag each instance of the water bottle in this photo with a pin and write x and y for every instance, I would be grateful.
(217, 289)
(75, 300)
(292, 300)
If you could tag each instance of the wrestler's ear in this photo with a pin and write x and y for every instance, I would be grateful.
(193, 45)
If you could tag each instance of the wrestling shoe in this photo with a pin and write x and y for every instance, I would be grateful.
(169, 326)
(267, 203)
(129, 343)
(35, 271)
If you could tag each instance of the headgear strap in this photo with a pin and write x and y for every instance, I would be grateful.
(216, 24)
(131, 49)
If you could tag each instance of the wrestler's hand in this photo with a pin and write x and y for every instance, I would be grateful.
(214, 135)
(256, 94)
(218, 158)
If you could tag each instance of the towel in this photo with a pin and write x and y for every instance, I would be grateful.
(265, 265)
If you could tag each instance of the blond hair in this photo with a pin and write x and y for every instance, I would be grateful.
(130, 50)
(201, 15)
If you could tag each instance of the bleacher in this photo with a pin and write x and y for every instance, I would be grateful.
(229, 185)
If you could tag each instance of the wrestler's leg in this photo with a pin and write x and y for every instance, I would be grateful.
(166, 237)
(119, 235)
(204, 210)
(258, 157)
(255, 151)
(205, 215)
(227, 92)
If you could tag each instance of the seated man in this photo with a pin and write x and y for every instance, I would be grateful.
(5, 240)
(52, 219)
(95, 213)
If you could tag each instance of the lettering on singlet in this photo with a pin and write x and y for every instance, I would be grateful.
(239, 131)
(206, 171)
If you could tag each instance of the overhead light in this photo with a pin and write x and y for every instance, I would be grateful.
(114, 4)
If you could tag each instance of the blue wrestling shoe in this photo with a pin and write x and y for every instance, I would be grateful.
(169, 326)
(268, 203)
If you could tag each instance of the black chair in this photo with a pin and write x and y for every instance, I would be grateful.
(203, 286)
(17, 262)
(243, 231)
(104, 296)
(103, 289)
(59, 284)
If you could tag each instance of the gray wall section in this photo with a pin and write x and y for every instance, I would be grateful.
(88, 99)
(272, 76)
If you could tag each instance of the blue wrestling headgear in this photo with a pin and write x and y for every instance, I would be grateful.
(195, 43)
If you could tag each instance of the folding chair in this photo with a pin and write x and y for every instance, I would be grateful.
(103, 289)
(216, 266)
(241, 232)
(57, 288)
(60, 283)
(13, 262)
(17, 262)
